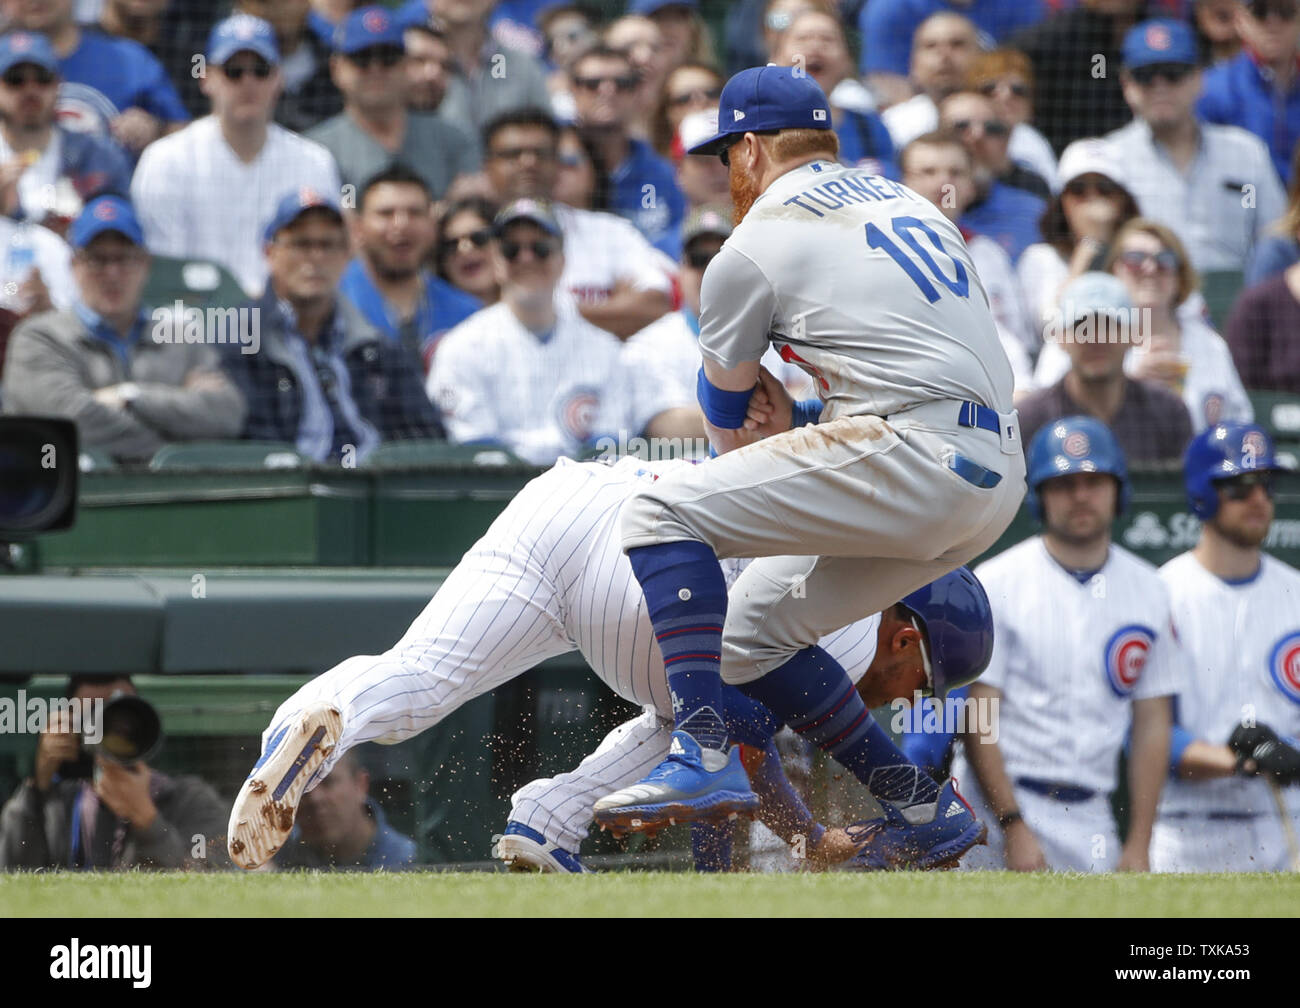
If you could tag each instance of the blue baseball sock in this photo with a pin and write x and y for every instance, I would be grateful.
(686, 598)
(816, 698)
(748, 721)
(711, 845)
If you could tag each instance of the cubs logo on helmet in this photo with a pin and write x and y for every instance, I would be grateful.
(1221, 452)
(1125, 656)
(1074, 444)
(1284, 666)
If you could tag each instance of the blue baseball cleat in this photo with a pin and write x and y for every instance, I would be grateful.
(692, 783)
(919, 837)
(523, 849)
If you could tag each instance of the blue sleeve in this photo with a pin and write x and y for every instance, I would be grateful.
(747, 720)
(805, 412)
(1269, 258)
(155, 92)
(887, 27)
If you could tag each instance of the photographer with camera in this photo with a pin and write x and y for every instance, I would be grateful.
(101, 806)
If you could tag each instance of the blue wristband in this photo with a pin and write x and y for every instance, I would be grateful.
(805, 412)
(722, 408)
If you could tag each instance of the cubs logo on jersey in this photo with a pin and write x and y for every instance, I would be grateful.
(577, 412)
(1125, 656)
(1284, 666)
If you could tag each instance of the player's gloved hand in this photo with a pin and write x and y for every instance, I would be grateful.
(1260, 751)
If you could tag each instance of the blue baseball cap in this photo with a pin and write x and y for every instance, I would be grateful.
(647, 7)
(21, 47)
(103, 214)
(293, 205)
(1163, 40)
(533, 211)
(241, 32)
(767, 98)
(367, 27)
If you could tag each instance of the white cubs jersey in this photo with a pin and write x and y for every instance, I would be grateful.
(1242, 643)
(579, 546)
(541, 397)
(862, 283)
(1070, 658)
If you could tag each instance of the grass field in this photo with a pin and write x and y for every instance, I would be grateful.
(649, 895)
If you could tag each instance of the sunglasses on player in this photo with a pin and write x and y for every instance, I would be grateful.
(19, 76)
(1239, 488)
(541, 249)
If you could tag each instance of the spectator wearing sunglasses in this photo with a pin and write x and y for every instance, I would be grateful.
(1214, 186)
(1004, 208)
(1006, 77)
(375, 129)
(488, 76)
(815, 41)
(1174, 347)
(112, 87)
(207, 191)
(46, 170)
(388, 281)
(1077, 226)
(1259, 88)
(641, 186)
(309, 95)
(463, 257)
(531, 374)
(690, 88)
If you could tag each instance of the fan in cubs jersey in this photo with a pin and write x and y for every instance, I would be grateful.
(549, 576)
(1237, 613)
(1082, 646)
(913, 467)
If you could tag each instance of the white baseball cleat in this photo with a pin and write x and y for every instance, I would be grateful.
(523, 849)
(264, 811)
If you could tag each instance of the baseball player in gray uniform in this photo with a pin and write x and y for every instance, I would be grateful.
(913, 467)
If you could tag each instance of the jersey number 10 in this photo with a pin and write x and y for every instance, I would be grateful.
(905, 228)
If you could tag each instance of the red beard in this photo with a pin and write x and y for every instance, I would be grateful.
(744, 190)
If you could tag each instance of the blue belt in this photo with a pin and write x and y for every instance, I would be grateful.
(1217, 816)
(1057, 792)
(973, 414)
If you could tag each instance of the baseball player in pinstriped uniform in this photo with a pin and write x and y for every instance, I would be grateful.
(1237, 614)
(1082, 642)
(913, 467)
(549, 576)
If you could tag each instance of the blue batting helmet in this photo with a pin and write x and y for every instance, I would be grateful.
(959, 624)
(1073, 445)
(1221, 452)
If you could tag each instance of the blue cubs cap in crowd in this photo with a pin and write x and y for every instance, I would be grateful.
(767, 98)
(103, 214)
(241, 32)
(647, 7)
(534, 211)
(367, 27)
(1160, 41)
(21, 47)
(293, 205)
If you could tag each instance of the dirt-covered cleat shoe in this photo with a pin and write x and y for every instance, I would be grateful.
(920, 837)
(264, 811)
(692, 783)
(523, 849)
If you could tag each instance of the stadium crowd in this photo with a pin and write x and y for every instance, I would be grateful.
(474, 221)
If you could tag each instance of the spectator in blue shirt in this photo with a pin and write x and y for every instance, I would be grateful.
(641, 184)
(111, 86)
(341, 826)
(1259, 88)
(388, 282)
(887, 27)
(1279, 249)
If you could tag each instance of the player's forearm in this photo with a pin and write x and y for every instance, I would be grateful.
(1148, 765)
(1206, 761)
(985, 759)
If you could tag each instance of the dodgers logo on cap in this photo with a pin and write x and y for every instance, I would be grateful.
(1284, 666)
(1125, 656)
(1076, 445)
